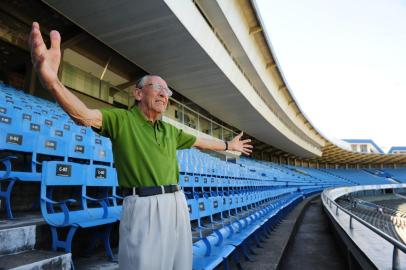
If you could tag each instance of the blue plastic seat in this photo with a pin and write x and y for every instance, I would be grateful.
(12, 141)
(65, 174)
(80, 148)
(105, 179)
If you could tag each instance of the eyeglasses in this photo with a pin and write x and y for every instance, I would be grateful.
(158, 87)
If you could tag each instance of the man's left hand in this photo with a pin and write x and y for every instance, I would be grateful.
(239, 145)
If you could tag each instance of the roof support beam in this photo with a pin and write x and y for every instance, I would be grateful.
(255, 29)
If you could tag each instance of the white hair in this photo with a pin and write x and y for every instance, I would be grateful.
(143, 80)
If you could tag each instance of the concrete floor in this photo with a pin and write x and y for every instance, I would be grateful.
(314, 246)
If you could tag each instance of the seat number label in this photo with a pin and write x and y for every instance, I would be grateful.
(201, 206)
(5, 119)
(34, 127)
(101, 173)
(63, 170)
(14, 139)
(50, 144)
(27, 116)
(79, 149)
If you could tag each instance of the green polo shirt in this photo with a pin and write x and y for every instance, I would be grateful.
(144, 152)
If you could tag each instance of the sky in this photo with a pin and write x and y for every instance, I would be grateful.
(345, 63)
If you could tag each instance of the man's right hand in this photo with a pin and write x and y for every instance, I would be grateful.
(46, 61)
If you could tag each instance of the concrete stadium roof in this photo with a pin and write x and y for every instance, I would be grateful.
(333, 154)
(217, 68)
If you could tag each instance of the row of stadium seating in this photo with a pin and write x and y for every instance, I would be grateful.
(33, 130)
(251, 224)
(398, 174)
(359, 176)
(12, 97)
(389, 221)
(230, 204)
(60, 214)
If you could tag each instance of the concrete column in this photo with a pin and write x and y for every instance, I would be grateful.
(60, 70)
(33, 80)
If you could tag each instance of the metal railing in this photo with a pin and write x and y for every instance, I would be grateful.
(397, 246)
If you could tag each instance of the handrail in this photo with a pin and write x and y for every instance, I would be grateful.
(392, 212)
(396, 244)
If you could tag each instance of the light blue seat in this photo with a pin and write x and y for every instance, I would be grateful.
(14, 141)
(66, 174)
(104, 178)
(80, 148)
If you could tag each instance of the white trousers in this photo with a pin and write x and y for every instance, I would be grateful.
(155, 233)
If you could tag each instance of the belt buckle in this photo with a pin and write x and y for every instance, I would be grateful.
(162, 189)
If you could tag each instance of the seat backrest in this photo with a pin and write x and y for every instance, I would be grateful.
(216, 204)
(61, 173)
(102, 153)
(66, 174)
(193, 209)
(47, 145)
(204, 207)
(80, 147)
(101, 176)
(17, 140)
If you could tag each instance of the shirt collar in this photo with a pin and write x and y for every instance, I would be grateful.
(140, 116)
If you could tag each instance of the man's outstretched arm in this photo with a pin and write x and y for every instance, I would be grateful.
(236, 144)
(46, 63)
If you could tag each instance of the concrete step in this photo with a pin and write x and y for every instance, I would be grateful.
(36, 259)
(96, 262)
(24, 233)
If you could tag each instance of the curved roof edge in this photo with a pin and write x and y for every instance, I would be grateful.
(332, 153)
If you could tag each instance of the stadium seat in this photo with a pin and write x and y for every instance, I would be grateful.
(66, 174)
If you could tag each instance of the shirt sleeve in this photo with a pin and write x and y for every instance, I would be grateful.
(185, 140)
(111, 119)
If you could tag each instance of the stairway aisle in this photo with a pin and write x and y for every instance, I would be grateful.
(313, 247)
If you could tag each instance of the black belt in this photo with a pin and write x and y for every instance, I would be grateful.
(150, 191)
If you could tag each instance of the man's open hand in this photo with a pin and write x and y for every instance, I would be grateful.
(239, 145)
(46, 61)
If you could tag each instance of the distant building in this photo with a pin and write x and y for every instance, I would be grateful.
(397, 150)
(364, 146)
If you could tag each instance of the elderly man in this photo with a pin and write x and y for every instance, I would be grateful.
(155, 228)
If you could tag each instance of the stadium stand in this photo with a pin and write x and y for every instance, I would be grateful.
(390, 221)
(60, 201)
(397, 174)
(359, 176)
(231, 204)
